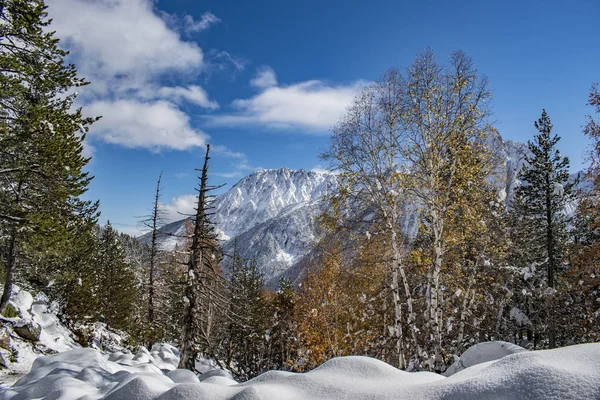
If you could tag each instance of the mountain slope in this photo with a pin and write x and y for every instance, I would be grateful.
(269, 214)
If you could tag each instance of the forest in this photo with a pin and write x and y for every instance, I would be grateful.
(481, 262)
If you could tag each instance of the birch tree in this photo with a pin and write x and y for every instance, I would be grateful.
(364, 149)
(443, 110)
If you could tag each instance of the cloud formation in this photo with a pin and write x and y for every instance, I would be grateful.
(179, 208)
(151, 125)
(311, 106)
(194, 94)
(206, 21)
(125, 49)
(121, 45)
(265, 77)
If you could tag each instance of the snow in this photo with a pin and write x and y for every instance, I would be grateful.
(492, 370)
(481, 353)
(559, 190)
(519, 317)
(270, 214)
(501, 195)
(284, 257)
(54, 337)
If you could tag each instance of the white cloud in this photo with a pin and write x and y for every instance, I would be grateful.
(312, 106)
(88, 149)
(240, 169)
(265, 77)
(320, 170)
(121, 44)
(228, 175)
(125, 48)
(130, 230)
(225, 152)
(179, 208)
(152, 125)
(206, 21)
(193, 93)
(222, 62)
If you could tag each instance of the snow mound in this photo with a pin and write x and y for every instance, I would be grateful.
(20, 352)
(483, 352)
(566, 373)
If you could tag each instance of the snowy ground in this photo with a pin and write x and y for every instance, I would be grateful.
(567, 373)
(40, 313)
(493, 370)
(53, 337)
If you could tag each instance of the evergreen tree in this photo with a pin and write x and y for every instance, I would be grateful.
(116, 282)
(544, 192)
(282, 334)
(248, 321)
(41, 162)
(76, 287)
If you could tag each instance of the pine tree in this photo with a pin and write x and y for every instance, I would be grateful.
(247, 354)
(282, 334)
(116, 282)
(41, 162)
(76, 282)
(544, 192)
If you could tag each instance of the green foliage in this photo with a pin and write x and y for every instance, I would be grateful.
(246, 352)
(282, 333)
(116, 282)
(41, 144)
(539, 233)
(10, 312)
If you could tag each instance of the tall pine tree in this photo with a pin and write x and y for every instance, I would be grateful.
(41, 162)
(543, 195)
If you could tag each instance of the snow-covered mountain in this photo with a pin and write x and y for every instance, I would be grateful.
(265, 195)
(270, 214)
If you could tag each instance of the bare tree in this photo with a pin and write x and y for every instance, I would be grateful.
(364, 149)
(153, 222)
(202, 297)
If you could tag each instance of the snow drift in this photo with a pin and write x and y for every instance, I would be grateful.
(566, 373)
(34, 331)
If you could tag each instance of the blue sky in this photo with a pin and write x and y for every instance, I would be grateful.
(263, 81)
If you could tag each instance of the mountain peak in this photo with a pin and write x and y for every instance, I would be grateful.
(264, 194)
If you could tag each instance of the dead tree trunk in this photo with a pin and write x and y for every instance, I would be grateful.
(201, 296)
(155, 221)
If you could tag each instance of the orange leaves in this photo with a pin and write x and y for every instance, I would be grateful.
(339, 307)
